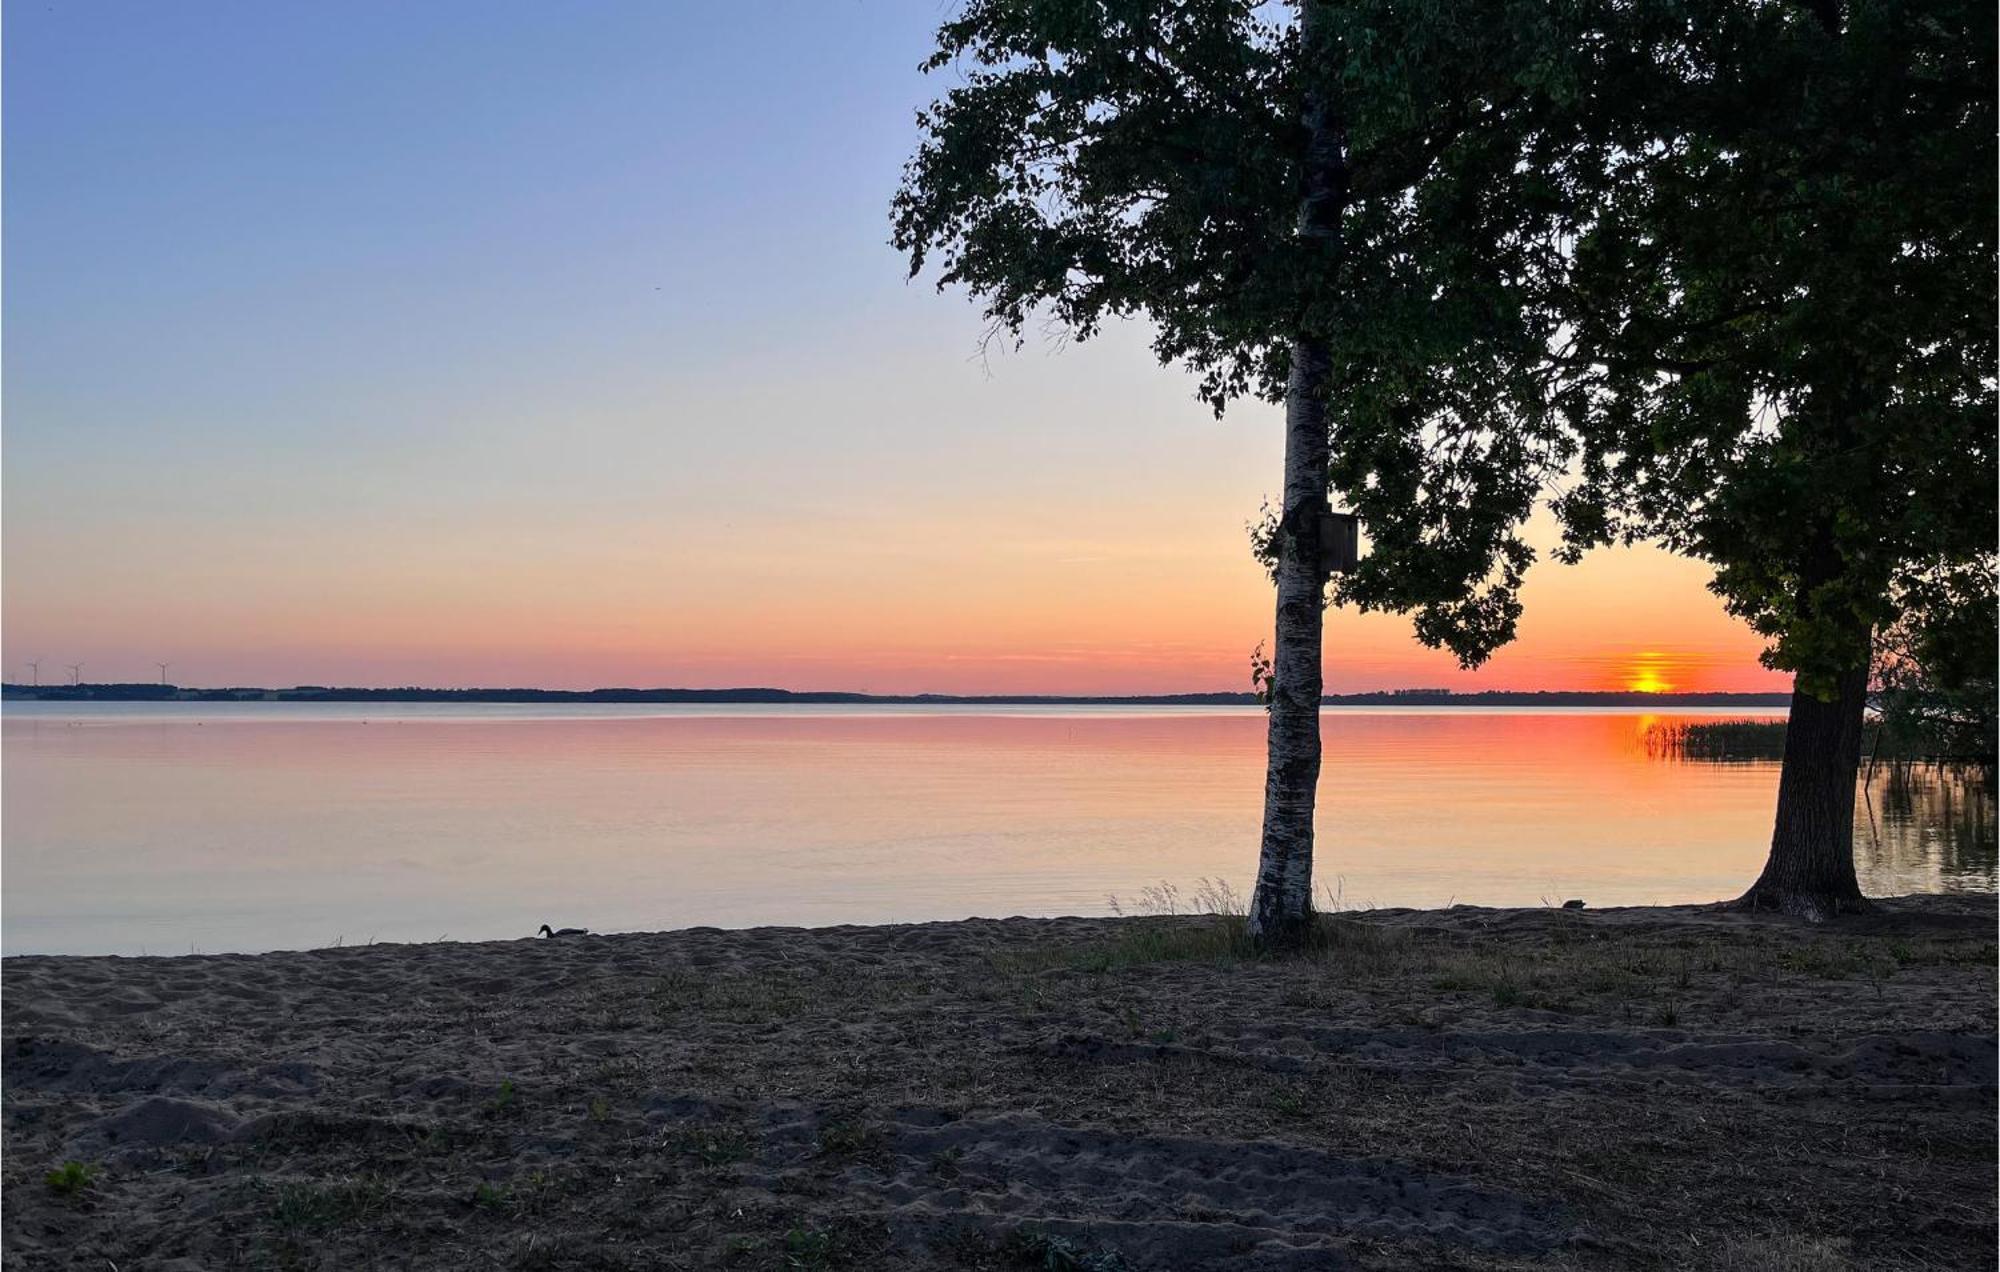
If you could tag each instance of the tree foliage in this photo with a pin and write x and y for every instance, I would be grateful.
(1780, 313)
(1720, 271)
(1933, 681)
(1110, 159)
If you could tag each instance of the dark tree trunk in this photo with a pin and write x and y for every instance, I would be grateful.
(1810, 872)
(1281, 907)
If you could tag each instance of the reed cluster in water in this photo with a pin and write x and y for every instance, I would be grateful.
(1716, 739)
(1888, 741)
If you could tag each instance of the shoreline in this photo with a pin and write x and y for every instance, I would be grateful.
(1716, 913)
(1467, 1088)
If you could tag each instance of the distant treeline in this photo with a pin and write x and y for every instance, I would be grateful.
(1391, 697)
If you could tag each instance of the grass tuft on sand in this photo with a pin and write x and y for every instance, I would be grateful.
(1208, 925)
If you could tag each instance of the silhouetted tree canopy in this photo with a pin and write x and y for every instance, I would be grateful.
(1720, 272)
(1107, 159)
(1781, 314)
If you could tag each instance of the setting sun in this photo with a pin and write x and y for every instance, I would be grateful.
(1647, 674)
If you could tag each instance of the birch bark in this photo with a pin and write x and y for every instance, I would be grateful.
(1281, 906)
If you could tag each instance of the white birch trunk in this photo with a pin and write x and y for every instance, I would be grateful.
(1281, 907)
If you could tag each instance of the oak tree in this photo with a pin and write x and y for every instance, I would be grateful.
(1779, 337)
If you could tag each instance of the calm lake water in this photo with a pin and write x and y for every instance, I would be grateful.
(160, 828)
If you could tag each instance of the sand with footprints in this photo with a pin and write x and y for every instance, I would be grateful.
(1469, 1088)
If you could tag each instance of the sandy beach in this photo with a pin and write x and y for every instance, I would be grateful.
(1469, 1088)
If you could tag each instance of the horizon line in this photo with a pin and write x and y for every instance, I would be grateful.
(152, 690)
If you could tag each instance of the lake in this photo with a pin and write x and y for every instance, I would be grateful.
(164, 828)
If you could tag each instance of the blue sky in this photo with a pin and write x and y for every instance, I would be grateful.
(255, 206)
(546, 343)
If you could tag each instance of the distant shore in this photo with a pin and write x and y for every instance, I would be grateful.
(1467, 1089)
(140, 692)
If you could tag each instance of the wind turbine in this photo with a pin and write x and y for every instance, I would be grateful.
(75, 673)
(34, 671)
(163, 671)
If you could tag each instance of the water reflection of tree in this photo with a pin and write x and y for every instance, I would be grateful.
(1926, 827)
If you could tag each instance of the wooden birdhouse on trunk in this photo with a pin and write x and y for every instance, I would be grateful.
(1339, 541)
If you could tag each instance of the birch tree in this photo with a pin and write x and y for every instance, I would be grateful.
(1327, 206)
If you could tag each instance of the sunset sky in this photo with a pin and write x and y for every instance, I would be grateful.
(518, 343)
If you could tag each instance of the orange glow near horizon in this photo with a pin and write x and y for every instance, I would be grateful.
(1000, 576)
(1029, 618)
(1647, 674)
